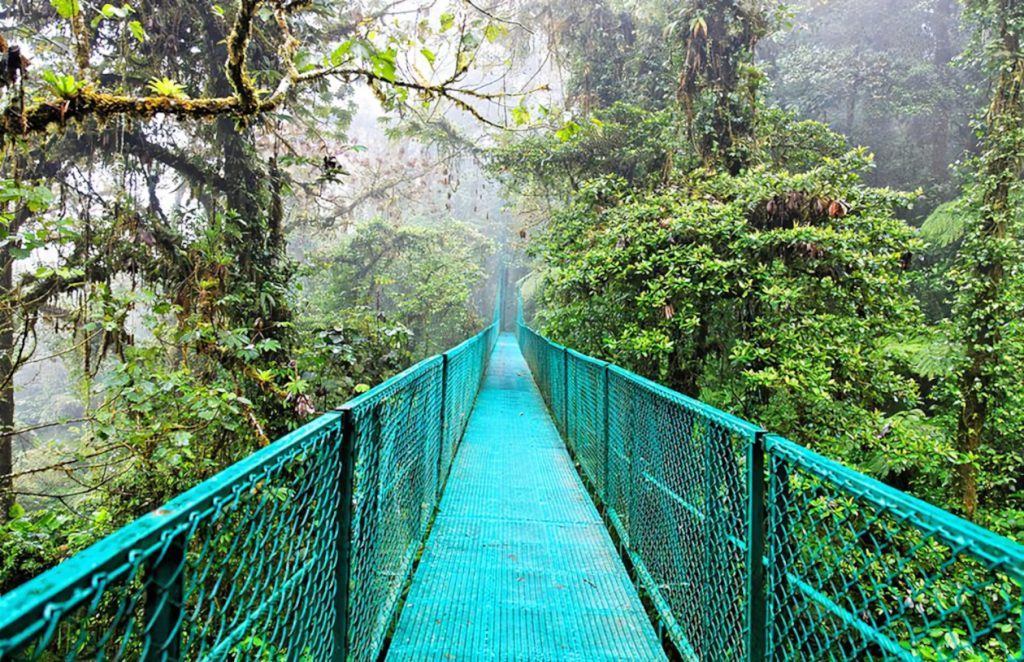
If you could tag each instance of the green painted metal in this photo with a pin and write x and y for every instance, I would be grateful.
(164, 598)
(752, 547)
(869, 571)
(757, 607)
(299, 552)
(519, 565)
(114, 600)
(343, 541)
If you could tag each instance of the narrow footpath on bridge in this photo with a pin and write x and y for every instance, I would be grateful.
(519, 565)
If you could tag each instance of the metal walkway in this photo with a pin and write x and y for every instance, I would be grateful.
(519, 565)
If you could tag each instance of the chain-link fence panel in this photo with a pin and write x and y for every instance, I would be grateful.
(801, 560)
(396, 435)
(586, 408)
(557, 359)
(464, 368)
(858, 570)
(677, 496)
(241, 567)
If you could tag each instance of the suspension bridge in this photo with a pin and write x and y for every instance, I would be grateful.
(512, 499)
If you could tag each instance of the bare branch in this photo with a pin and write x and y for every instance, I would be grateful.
(490, 14)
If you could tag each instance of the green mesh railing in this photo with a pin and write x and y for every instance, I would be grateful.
(858, 569)
(749, 546)
(300, 552)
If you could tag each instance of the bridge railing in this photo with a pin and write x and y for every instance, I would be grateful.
(299, 552)
(749, 546)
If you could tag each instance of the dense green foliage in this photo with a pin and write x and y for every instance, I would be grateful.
(699, 210)
(889, 75)
(158, 159)
(623, 140)
(424, 276)
(776, 295)
(770, 275)
(986, 277)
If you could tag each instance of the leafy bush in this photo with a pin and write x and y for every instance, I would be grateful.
(772, 294)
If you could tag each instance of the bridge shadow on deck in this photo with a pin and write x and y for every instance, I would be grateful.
(519, 565)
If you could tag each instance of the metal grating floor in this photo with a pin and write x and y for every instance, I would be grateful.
(519, 565)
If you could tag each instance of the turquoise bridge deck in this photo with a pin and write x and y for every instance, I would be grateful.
(519, 565)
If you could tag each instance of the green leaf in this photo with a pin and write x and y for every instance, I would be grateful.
(66, 8)
(339, 53)
(520, 115)
(165, 87)
(493, 33)
(38, 199)
(49, 521)
(64, 85)
(566, 133)
(110, 11)
(384, 64)
(16, 511)
(429, 55)
(947, 224)
(447, 21)
(137, 31)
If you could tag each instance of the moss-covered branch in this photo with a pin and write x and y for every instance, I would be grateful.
(238, 45)
(245, 101)
(88, 103)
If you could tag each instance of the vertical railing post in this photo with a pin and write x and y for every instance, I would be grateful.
(780, 551)
(709, 596)
(607, 439)
(343, 543)
(757, 624)
(165, 590)
(565, 393)
(443, 445)
(499, 303)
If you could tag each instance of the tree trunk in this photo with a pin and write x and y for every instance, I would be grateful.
(981, 311)
(721, 38)
(7, 392)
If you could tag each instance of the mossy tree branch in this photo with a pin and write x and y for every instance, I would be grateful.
(238, 46)
(93, 102)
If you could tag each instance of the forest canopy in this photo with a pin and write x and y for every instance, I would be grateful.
(173, 177)
(218, 220)
(815, 228)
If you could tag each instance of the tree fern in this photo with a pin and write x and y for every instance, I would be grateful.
(947, 224)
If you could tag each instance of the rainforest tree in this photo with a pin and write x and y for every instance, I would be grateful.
(987, 300)
(887, 74)
(719, 84)
(423, 275)
(151, 155)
